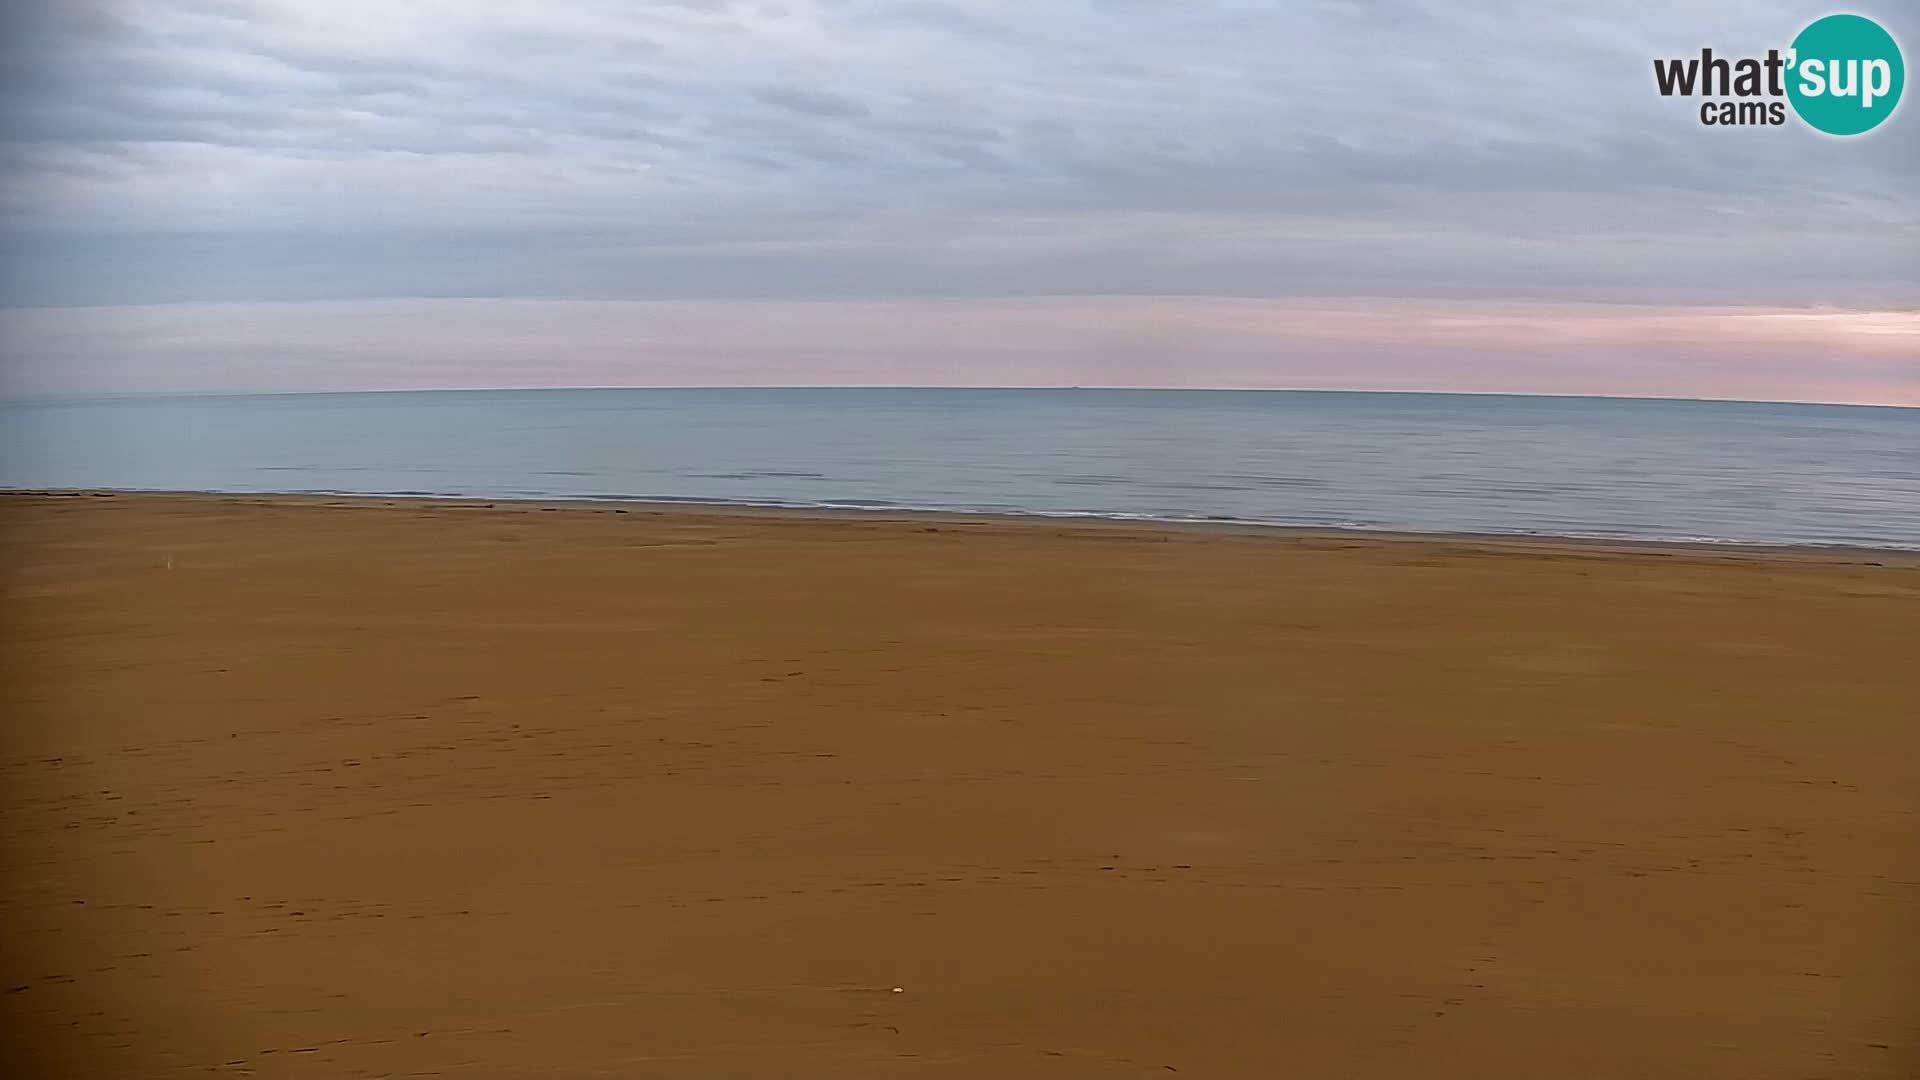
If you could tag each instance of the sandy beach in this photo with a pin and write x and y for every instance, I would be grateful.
(356, 788)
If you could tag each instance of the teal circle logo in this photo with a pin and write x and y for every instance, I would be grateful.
(1845, 74)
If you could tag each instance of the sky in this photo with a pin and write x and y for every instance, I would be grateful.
(266, 195)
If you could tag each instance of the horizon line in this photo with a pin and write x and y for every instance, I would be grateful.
(6, 398)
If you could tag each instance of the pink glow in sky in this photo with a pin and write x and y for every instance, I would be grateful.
(277, 195)
(1762, 353)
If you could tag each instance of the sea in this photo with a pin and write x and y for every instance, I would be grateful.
(1698, 471)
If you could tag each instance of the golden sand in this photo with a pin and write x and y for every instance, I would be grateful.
(339, 788)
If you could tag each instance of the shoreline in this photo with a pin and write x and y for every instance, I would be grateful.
(1820, 552)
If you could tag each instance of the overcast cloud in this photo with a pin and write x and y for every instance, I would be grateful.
(164, 151)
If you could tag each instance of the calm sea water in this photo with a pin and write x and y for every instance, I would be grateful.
(1723, 471)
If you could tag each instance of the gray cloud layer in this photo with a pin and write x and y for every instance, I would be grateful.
(167, 150)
